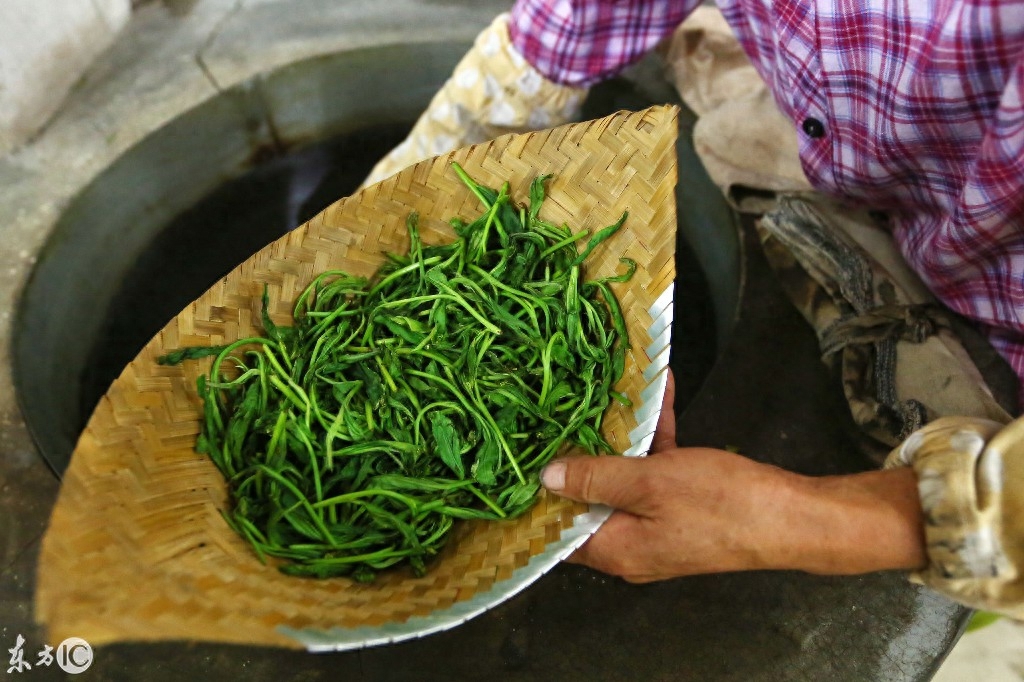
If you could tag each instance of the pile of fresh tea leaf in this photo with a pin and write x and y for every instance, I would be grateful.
(434, 391)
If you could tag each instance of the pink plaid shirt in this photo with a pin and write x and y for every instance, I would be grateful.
(909, 106)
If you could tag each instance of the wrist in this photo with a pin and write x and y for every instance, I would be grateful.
(858, 523)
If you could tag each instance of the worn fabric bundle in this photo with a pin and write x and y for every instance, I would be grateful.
(139, 507)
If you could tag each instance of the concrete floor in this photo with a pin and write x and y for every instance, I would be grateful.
(994, 653)
(166, 64)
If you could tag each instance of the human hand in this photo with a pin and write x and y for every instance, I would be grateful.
(686, 511)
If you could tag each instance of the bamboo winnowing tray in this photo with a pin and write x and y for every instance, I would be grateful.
(136, 547)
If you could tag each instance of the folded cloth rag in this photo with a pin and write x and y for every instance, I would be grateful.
(747, 145)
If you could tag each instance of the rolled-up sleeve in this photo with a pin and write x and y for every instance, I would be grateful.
(970, 476)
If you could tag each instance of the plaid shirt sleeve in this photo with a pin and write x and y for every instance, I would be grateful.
(582, 42)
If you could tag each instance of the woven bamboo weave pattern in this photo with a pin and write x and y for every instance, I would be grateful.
(136, 548)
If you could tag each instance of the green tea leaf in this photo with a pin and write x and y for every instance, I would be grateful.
(179, 356)
(447, 443)
(488, 456)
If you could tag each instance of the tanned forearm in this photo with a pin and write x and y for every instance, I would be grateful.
(851, 524)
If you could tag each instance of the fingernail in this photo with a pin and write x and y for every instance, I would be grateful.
(553, 476)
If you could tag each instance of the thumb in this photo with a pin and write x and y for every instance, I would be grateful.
(614, 481)
(665, 431)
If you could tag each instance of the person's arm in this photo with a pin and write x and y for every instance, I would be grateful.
(688, 511)
(583, 42)
(685, 511)
(859, 523)
(949, 508)
(531, 69)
